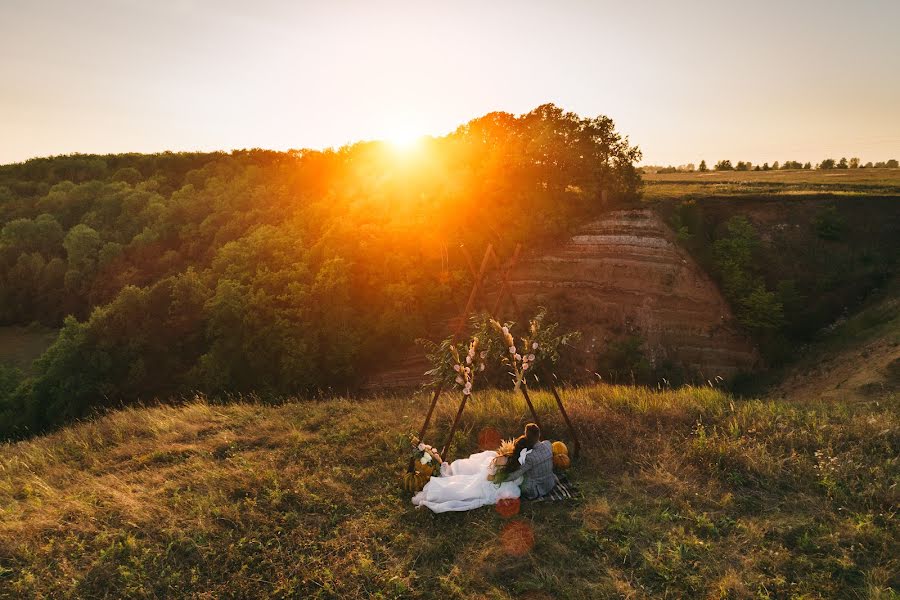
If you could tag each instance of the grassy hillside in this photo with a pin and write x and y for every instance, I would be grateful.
(688, 493)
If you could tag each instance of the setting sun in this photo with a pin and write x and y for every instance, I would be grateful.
(404, 138)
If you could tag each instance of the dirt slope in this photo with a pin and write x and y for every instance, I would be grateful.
(620, 276)
(856, 359)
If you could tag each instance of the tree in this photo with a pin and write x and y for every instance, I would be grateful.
(742, 166)
(892, 164)
(724, 165)
(82, 244)
(854, 163)
(827, 163)
(842, 164)
(703, 168)
(775, 165)
(765, 167)
(807, 166)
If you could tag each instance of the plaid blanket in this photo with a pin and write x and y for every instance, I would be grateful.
(564, 490)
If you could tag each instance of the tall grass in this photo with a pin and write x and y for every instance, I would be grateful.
(687, 493)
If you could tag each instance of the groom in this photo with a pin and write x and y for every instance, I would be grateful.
(538, 465)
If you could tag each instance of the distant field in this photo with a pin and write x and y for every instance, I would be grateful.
(831, 181)
(19, 346)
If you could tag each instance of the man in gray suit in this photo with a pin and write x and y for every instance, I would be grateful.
(538, 465)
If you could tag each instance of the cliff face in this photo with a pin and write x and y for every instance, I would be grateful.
(622, 276)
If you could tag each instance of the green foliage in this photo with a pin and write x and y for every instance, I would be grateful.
(829, 224)
(624, 360)
(724, 165)
(275, 272)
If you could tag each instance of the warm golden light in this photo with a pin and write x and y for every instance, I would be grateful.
(404, 138)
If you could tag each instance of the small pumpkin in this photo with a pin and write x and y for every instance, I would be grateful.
(559, 448)
(561, 461)
(414, 482)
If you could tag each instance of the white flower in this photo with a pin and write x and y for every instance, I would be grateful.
(525, 367)
(468, 370)
(468, 385)
(531, 357)
(467, 392)
(505, 330)
(459, 379)
(421, 446)
(456, 367)
(512, 349)
(484, 354)
(518, 357)
(469, 360)
(535, 345)
(481, 368)
(426, 458)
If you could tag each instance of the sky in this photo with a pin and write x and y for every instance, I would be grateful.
(685, 81)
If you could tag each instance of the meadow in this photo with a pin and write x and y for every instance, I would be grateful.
(680, 186)
(687, 493)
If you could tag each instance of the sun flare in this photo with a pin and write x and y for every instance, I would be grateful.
(404, 140)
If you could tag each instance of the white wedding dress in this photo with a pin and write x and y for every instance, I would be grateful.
(464, 485)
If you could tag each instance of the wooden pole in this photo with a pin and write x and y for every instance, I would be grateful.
(504, 284)
(457, 330)
(565, 415)
(524, 390)
(445, 451)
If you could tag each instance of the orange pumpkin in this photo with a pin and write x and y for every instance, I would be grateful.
(561, 461)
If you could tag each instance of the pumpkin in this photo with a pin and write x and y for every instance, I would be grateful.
(414, 482)
(560, 448)
(426, 470)
(561, 461)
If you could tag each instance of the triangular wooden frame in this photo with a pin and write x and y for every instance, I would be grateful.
(505, 291)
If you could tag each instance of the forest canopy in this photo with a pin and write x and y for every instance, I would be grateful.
(271, 272)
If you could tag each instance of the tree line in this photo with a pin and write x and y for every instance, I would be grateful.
(271, 272)
(726, 165)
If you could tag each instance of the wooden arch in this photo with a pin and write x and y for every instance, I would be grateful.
(490, 257)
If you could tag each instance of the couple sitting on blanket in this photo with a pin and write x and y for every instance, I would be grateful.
(526, 468)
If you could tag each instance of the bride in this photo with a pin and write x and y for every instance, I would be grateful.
(469, 483)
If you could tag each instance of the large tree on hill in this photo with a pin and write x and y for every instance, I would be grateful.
(556, 150)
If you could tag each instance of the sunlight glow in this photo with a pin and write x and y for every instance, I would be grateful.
(404, 139)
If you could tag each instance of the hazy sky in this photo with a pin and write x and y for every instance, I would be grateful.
(759, 81)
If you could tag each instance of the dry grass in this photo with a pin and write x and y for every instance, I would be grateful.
(831, 182)
(879, 177)
(688, 493)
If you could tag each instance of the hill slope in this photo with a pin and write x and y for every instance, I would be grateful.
(688, 493)
(857, 359)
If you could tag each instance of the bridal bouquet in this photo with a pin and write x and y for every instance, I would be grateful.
(424, 459)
